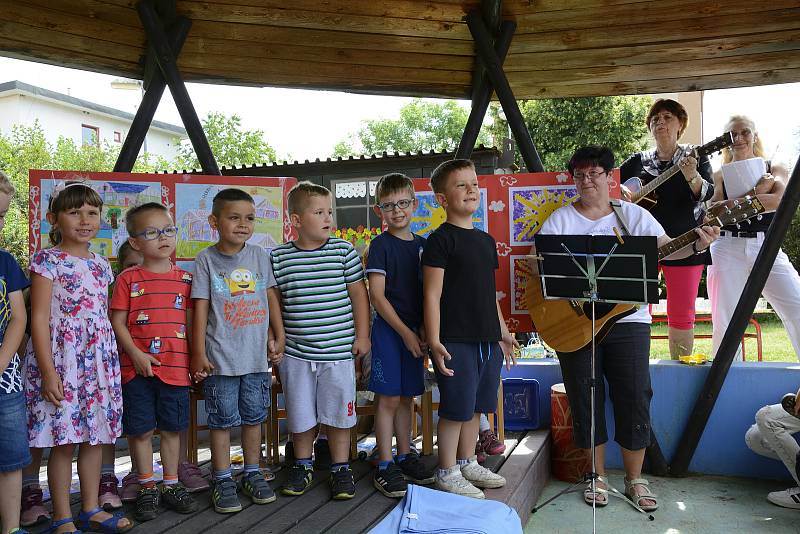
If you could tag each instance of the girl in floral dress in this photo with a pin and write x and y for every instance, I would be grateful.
(72, 374)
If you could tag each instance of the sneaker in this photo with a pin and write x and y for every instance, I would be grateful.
(322, 455)
(192, 477)
(490, 444)
(298, 480)
(414, 470)
(255, 486)
(108, 495)
(789, 498)
(147, 503)
(480, 455)
(390, 481)
(223, 495)
(481, 477)
(33, 510)
(130, 488)
(342, 484)
(454, 482)
(176, 497)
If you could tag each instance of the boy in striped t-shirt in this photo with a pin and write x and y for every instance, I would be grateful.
(150, 314)
(326, 317)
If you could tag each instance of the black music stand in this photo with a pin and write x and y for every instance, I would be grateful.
(627, 273)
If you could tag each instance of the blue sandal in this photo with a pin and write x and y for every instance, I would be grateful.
(109, 526)
(60, 522)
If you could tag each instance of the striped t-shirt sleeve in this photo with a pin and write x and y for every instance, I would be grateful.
(353, 269)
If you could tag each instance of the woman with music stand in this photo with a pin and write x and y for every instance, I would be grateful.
(677, 205)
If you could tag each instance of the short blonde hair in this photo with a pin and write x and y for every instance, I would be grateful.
(5, 185)
(758, 146)
(442, 173)
(300, 193)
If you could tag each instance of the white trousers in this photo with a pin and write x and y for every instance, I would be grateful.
(733, 259)
(771, 436)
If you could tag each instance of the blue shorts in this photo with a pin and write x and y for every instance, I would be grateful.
(13, 432)
(476, 376)
(395, 371)
(148, 403)
(233, 401)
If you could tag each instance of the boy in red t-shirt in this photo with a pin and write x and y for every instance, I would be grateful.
(150, 313)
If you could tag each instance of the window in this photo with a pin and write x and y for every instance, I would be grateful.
(90, 135)
(352, 203)
(117, 137)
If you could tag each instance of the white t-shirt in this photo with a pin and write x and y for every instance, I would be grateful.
(568, 221)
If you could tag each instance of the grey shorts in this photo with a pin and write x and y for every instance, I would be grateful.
(318, 392)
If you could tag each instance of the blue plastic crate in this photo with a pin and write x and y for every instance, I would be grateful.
(521, 403)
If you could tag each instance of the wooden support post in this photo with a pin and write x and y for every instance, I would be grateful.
(483, 94)
(741, 316)
(492, 11)
(150, 100)
(498, 78)
(169, 68)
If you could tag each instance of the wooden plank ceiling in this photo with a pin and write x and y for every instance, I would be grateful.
(561, 48)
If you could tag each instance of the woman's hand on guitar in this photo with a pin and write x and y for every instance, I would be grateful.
(688, 167)
(706, 235)
(439, 355)
(625, 193)
(510, 346)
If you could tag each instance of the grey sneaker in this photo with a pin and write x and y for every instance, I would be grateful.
(480, 477)
(256, 487)
(224, 496)
(454, 482)
(789, 498)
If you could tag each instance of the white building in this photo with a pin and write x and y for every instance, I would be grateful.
(79, 120)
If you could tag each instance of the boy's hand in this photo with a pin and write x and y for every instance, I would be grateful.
(143, 363)
(275, 350)
(52, 388)
(413, 343)
(439, 354)
(510, 347)
(200, 368)
(361, 346)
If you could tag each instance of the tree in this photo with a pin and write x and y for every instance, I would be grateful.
(230, 144)
(421, 126)
(559, 126)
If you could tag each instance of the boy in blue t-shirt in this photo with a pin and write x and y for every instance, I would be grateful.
(13, 417)
(395, 290)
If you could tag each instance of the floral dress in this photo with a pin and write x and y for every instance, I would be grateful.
(84, 353)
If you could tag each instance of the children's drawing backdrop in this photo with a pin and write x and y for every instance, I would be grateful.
(188, 198)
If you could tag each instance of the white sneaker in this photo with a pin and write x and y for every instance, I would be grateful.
(454, 482)
(789, 498)
(481, 477)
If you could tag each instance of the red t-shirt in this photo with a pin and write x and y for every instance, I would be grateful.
(156, 304)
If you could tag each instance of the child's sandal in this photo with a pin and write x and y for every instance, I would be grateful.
(109, 526)
(638, 497)
(61, 522)
(600, 494)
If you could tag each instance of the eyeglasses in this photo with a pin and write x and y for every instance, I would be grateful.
(390, 206)
(150, 233)
(591, 175)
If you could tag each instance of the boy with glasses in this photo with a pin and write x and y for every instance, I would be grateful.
(150, 312)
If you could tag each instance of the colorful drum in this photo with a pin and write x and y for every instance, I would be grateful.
(569, 463)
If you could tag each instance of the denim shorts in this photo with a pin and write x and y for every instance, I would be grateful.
(13, 432)
(233, 401)
(148, 403)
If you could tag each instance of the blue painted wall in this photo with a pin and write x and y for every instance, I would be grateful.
(722, 450)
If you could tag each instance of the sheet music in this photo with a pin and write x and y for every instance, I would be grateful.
(741, 176)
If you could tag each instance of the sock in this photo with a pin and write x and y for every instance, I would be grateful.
(442, 472)
(401, 457)
(336, 467)
(381, 465)
(484, 424)
(106, 469)
(250, 469)
(169, 480)
(305, 462)
(30, 481)
(223, 473)
(146, 480)
(462, 462)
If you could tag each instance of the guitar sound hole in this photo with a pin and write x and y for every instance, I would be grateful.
(601, 309)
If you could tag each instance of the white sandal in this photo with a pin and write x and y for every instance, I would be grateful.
(638, 497)
(600, 494)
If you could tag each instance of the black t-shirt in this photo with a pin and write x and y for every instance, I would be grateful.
(676, 202)
(468, 306)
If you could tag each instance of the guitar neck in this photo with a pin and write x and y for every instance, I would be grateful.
(676, 244)
(653, 184)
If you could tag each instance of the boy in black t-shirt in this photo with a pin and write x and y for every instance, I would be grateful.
(466, 332)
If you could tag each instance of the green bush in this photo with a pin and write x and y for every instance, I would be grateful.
(791, 243)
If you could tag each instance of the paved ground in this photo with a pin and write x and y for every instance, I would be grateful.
(698, 504)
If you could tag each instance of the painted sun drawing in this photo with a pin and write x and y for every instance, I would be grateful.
(531, 206)
(429, 215)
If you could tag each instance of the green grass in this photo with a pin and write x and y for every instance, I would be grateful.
(775, 342)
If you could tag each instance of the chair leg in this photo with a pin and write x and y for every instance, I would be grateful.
(501, 432)
(354, 442)
(427, 423)
(191, 441)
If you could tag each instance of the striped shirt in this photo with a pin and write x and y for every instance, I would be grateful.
(317, 312)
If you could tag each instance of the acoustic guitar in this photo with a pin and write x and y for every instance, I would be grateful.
(644, 193)
(566, 325)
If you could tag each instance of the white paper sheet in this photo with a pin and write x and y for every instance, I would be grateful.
(741, 176)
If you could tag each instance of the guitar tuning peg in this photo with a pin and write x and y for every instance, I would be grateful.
(758, 217)
(738, 226)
